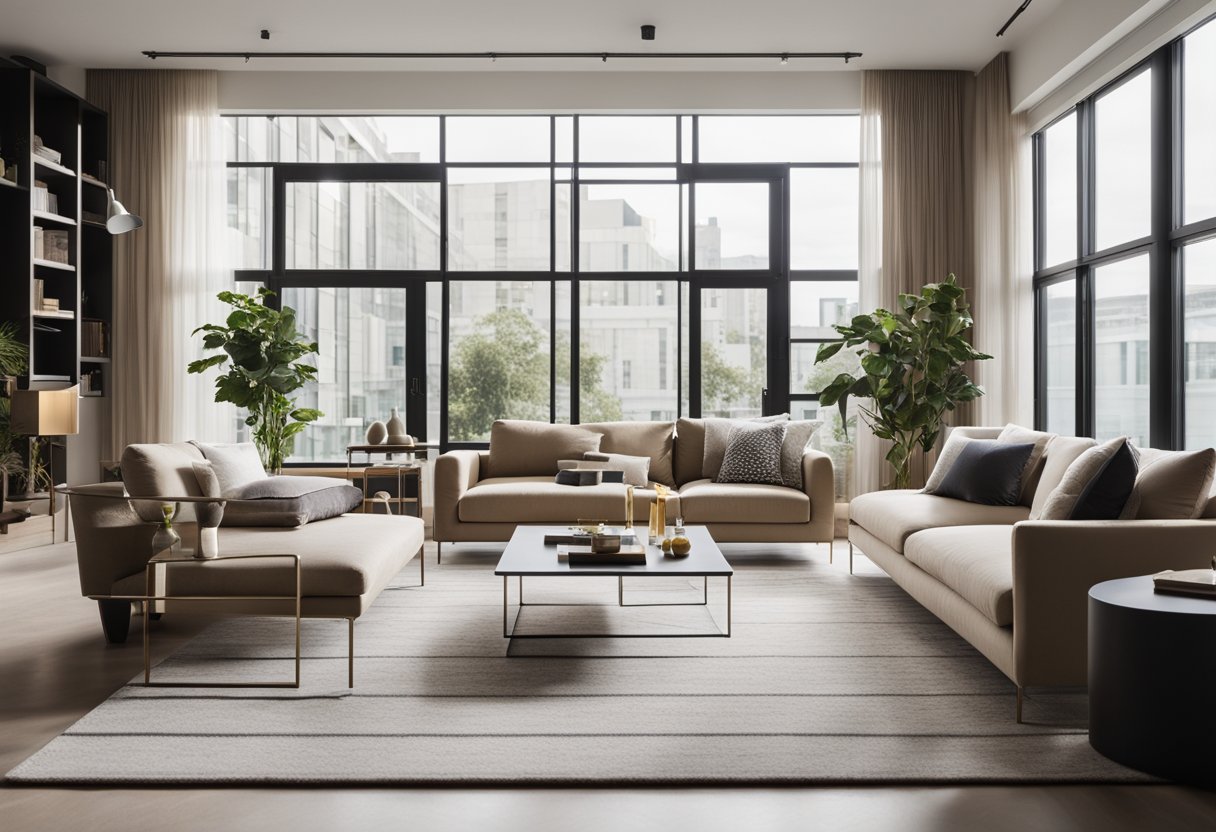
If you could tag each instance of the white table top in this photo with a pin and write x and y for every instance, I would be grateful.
(527, 554)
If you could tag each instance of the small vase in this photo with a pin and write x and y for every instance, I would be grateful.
(166, 537)
(396, 430)
(376, 432)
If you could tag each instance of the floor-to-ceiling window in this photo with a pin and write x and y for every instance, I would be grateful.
(1125, 221)
(567, 268)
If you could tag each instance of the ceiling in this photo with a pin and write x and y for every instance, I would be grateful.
(905, 34)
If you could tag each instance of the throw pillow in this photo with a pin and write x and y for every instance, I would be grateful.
(793, 445)
(1034, 465)
(753, 455)
(1096, 486)
(1061, 453)
(955, 442)
(717, 437)
(610, 474)
(988, 472)
(1172, 485)
(208, 515)
(290, 501)
(235, 465)
(532, 449)
(635, 468)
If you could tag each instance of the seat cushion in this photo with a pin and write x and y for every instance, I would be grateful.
(165, 470)
(892, 516)
(345, 556)
(706, 501)
(974, 561)
(541, 500)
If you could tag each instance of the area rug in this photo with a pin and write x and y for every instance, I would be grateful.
(827, 679)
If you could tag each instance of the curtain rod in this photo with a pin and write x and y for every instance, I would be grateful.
(784, 57)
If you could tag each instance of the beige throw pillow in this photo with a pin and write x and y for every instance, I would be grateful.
(532, 449)
(797, 436)
(955, 443)
(1064, 497)
(635, 468)
(1019, 435)
(1172, 485)
(1061, 453)
(235, 464)
(717, 437)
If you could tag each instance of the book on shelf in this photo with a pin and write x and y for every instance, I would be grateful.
(39, 246)
(56, 245)
(94, 338)
(45, 152)
(49, 304)
(1200, 582)
(39, 291)
(583, 556)
(40, 194)
(91, 383)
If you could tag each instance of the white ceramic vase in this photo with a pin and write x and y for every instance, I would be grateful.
(396, 430)
(376, 433)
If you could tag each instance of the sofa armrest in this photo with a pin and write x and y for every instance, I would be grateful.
(1055, 562)
(819, 483)
(455, 473)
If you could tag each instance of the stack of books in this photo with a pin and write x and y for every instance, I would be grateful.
(44, 200)
(1199, 582)
(51, 244)
(45, 152)
(578, 549)
(94, 338)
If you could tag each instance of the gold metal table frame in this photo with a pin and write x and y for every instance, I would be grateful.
(510, 624)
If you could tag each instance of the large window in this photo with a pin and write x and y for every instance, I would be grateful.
(569, 268)
(1125, 271)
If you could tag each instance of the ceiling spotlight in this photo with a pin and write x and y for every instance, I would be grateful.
(648, 32)
(265, 33)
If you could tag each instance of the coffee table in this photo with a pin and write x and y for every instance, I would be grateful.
(527, 556)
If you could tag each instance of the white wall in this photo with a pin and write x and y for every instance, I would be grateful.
(544, 92)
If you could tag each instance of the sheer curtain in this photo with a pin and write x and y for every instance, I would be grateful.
(916, 207)
(1003, 303)
(167, 166)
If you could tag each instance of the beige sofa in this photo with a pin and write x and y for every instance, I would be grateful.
(1016, 588)
(472, 504)
(346, 561)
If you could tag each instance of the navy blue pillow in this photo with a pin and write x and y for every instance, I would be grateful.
(1107, 493)
(987, 472)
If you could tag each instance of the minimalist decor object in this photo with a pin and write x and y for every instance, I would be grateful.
(44, 415)
(658, 514)
(912, 370)
(118, 219)
(629, 506)
(396, 430)
(208, 515)
(376, 433)
(166, 539)
(264, 352)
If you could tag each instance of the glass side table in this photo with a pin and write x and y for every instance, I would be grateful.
(159, 566)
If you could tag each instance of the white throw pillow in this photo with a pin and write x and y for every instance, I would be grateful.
(797, 436)
(635, 468)
(234, 465)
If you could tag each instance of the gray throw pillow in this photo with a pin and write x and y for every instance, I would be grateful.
(753, 455)
(793, 445)
(290, 501)
(717, 436)
(209, 515)
(635, 468)
(235, 464)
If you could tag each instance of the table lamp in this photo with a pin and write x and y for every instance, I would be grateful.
(40, 413)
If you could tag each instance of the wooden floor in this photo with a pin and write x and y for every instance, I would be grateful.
(54, 667)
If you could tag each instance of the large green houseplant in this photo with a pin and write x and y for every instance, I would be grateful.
(263, 351)
(911, 369)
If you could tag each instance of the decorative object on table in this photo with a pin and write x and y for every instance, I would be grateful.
(166, 538)
(629, 506)
(266, 353)
(678, 546)
(376, 433)
(658, 514)
(911, 370)
(396, 430)
(605, 544)
(1198, 582)
(43, 415)
(118, 219)
(376, 477)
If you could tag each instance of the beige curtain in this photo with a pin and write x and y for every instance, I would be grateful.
(166, 165)
(916, 206)
(1003, 299)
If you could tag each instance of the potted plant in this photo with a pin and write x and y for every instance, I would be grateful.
(911, 369)
(263, 351)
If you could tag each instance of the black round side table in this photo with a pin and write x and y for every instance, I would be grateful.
(1152, 679)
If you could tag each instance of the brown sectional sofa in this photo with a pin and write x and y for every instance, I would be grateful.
(1015, 588)
(472, 504)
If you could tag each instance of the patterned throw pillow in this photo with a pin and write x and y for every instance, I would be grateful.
(753, 455)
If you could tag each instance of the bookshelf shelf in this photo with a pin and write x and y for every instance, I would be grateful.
(62, 314)
(95, 359)
(55, 167)
(49, 217)
(10, 184)
(51, 264)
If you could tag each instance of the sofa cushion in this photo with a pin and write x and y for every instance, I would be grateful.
(636, 469)
(1172, 485)
(892, 516)
(541, 500)
(705, 501)
(347, 556)
(974, 561)
(653, 439)
(1061, 452)
(753, 455)
(531, 449)
(235, 464)
(165, 470)
(797, 436)
(988, 472)
(290, 501)
(689, 450)
(1097, 484)
(718, 433)
(1017, 434)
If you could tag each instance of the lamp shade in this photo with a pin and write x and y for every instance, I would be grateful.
(45, 412)
(118, 219)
